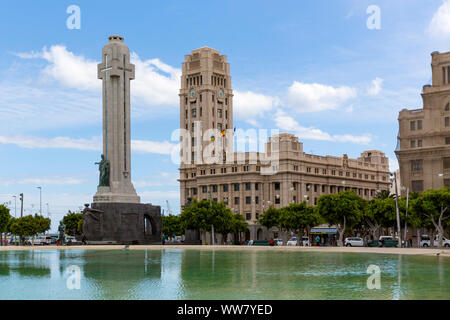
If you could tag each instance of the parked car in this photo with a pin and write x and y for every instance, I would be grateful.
(388, 241)
(292, 242)
(278, 242)
(354, 242)
(42, 240)
(426, 241)
(305, 241)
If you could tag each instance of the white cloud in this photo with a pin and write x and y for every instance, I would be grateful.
(55, 181)
(375, 87)
(313, 97)
(92, 144)
(393, 164)
(285, 122)
(247, 105)
(144, 146)
(156, 83)
(53, 143)
(151, 86)
(26, 107)
(160, 180)
(440, 23)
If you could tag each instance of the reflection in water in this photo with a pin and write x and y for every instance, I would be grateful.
(219, 274)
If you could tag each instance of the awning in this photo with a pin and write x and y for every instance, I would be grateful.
(323, 231)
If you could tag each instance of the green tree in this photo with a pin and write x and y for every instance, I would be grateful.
(42, 224)
(343, 209)
(239, 225)
(71, 221)
(270, 218)
(29, 226)
(171, 225)
(202, 215)
(5, 217)
(297, 217)
(433, 205)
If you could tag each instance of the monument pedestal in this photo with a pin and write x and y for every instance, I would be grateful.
(104, 195)
(122, 223)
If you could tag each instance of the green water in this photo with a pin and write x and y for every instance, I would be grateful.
(218, 274)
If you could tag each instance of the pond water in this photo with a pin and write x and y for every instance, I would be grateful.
(218, 274)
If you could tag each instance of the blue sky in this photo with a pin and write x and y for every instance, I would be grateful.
(312, 68)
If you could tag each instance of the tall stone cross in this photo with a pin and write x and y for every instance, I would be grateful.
(105, 95)
(116, 71)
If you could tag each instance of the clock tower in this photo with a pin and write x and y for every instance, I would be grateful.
(206, 101)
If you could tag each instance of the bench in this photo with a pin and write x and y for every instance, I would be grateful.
(262, 243)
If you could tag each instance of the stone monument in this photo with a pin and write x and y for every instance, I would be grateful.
(116, 214)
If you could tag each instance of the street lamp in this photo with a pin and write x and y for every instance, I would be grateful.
(406, 214)
(40, 200)
(397, 209)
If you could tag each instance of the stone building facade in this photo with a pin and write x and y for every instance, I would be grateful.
(249, 182)
(423, 147)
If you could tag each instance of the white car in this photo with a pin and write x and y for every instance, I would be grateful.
(305, 241)
(292, 242)
(354, 242)
(426, 241)
(42, 240)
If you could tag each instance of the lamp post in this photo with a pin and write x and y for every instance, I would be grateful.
(406, 213)
(40, 200)
(397, 210)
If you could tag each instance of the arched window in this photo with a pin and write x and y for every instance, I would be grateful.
(447, 106)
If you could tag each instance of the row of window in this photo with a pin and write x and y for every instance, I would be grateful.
(416, 143)
(417, 165)
(194, 81)
(236, 187)
(194, 113)
(341, 173)
(201, 100)
(415, 125)
(219, 126)
(277, 200)
(219, 81)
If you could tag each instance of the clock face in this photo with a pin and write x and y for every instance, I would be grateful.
(192, 93)
(220, 93)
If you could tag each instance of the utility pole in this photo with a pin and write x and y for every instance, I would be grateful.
(21, 205)
(40, 200)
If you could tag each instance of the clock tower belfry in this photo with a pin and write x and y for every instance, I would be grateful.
(206, 97)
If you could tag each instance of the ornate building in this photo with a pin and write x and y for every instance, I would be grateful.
(423, 148)
(249, 182)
